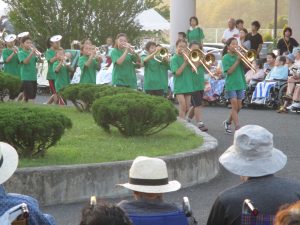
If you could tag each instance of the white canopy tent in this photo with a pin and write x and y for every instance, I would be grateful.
(151, 20)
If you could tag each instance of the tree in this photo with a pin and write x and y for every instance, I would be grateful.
(77, 19)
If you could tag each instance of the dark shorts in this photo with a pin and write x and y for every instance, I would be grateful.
(29, 89)
(240, 95)
(197, 97)
(155, 92)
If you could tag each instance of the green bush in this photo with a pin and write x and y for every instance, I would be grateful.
(9, 86)
(115, 90)
(31, 130)
(134, 113)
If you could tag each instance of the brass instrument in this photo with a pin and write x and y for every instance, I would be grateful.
(247, 56)
(162, 53)
(38, 54)
(67, 61)
(100, 51)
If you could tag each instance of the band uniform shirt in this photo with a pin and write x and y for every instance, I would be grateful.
(88, 74)
(36, 217)
(285, 46)
(195, 34)
(28, 71)
(155, 75)
(183, 84)
(62, 77)
(236, 80)
(123, 74)
(255, 40)
(50, 53)
(13, 66)
(198, 79)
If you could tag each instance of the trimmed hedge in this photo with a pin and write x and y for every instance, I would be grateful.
(9, 86)
(134, 113)
(31, 130)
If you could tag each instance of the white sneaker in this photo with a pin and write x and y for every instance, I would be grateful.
(295, 105)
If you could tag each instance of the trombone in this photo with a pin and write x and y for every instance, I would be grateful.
(247, 56)
(162, 53)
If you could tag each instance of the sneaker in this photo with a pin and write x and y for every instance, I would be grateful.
(227, 127)
(202, 127)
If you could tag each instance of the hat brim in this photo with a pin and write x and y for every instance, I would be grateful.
(171, 186)
(10, 161)
(239, 165)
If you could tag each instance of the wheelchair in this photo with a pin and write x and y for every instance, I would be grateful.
(17, 215)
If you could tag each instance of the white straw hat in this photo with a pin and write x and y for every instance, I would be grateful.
(10, 37)
(150, 175)
(55, 38)
(8, 161)
(23, 34)
(252, 153)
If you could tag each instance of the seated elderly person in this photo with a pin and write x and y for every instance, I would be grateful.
(8, 165)
(148, 179)
(292, 80)
(103, 214)
(279, 72)
(259, 74)
(254, 158)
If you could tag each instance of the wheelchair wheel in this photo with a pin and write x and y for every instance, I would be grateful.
(281, 93)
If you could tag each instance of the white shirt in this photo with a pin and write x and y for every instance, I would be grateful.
(230, 33)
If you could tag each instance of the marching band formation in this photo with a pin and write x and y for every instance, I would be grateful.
(188, 64)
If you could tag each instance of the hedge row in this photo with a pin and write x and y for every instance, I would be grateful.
(9, 86)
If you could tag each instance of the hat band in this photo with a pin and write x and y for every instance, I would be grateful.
(1, 161)
(149, 182)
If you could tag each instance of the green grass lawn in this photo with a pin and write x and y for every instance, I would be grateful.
(88, 143)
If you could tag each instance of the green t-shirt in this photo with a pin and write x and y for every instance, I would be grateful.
(88, 74)
(236, 80)
(198, 79)
(183, 83)
(195, 35)
(155, 75)
(12, 67)
(28, 71)
(124, 74)
(62, 77)
(50, 53)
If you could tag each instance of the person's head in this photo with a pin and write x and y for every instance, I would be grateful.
(10, 40)
(86, 50)
(231, 23)
(148, 178)
(258, 63)
(104, 214)
(255, 25)
(55, 42)
(243, 33)
(287, 32)
(181, 45)
(296, 53)
(8, 161)
(181, 36)
(75, 44)
(271, 58)
(86, 41)
(60, 53)
(290, 59)
(121, 41)
(280, 61)
(239, 23)
(150, 47)
(194, 21)
(288, 215)
(26, 43)
(194, 45)
(252, 153)
(230, 46)
(109, 41)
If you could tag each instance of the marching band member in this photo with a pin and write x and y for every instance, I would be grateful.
(28, 60)
(10, 56)
(195, 33)
(62, 68)
(89, 63)
(124, 60)
(197, 94)
(235, 83)
(183, 77)
(19, 40)
(53, 46)
(156, 70)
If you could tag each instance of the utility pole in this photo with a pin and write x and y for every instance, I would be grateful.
(275, 20)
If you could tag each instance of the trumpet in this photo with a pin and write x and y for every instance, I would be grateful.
(67, 61)
(100, 51)
(162, 53)
(38, 53)
(247, 56)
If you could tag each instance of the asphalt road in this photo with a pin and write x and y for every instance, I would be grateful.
(285, 128)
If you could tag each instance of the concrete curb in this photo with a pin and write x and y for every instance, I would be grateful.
(53, 185)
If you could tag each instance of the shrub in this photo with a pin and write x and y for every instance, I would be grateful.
(31, 130)
(115, 90)
(134, 113)
(9, 85)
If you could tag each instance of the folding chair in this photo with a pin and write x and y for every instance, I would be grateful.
(252, 216)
